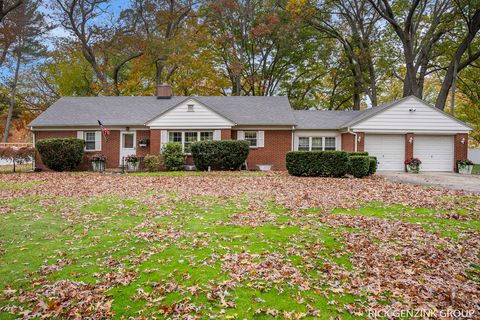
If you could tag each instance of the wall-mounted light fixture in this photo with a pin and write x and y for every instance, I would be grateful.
(412, 109)
(410, 140)
(462, 141)
(359, 138)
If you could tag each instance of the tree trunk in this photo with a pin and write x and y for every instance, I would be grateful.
(12, 99)
(456, 61)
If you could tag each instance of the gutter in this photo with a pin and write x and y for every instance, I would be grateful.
(351, 132)
(293, 138)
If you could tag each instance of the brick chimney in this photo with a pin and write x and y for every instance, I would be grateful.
(164, 91)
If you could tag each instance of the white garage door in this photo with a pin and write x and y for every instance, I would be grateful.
(435, 152)
(389, 150)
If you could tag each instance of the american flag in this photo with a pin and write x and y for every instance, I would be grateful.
(104, 130)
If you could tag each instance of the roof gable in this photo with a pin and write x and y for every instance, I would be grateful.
(189, 113)
(406, 115)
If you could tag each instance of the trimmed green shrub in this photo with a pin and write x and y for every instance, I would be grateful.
(173, 156)
(219, 154)
(61, 154)
(359, 166)
(153, 162)
(358, 154)
(317, 163)
(373, 165)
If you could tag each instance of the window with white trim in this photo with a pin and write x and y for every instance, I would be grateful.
(251, 138)
(90, 140)
(185, 138)
(316, 143)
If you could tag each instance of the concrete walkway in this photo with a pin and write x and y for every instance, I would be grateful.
(446, 180)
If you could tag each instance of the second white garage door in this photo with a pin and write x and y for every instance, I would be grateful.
(435, 152)
(389, 150)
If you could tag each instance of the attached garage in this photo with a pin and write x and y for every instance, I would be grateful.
(389, 150)
(435, 152)
(408, 128)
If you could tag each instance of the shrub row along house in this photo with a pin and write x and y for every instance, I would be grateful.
(392, 132)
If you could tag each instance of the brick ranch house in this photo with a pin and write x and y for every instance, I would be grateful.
(393, 132)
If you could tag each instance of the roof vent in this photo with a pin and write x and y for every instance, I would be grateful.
(164, 91)
(190, 108)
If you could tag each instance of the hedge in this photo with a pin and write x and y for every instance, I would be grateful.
(219, 154)
(359, 166)
(373, 165)
(61, 154)
(173, 156)
(358, 154)
(317, 163)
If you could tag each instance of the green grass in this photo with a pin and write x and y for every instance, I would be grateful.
(187, 244)
(18, 168)
(476, 169)
(90, 232)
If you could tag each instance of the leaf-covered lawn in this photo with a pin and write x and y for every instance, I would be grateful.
(232, 246)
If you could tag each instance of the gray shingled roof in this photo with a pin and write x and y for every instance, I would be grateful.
(85, 111)
(244, 110)
(323, 119)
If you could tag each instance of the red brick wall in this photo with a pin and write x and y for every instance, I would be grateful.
(461, 149)
(110, 148)
(142, 134)
(348, 142)
(154, 141)
(276, 145)
(361, 143)
(226, 135)
(409, 146)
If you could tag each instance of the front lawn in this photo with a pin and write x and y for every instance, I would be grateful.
(476, 169)
(232, 246)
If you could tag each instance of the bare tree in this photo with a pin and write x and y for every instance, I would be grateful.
(417, 35)
(81, 18)
(458, 61)
(8, 6)
(29, 25)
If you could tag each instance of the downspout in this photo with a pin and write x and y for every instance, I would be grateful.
(293, 138)
(33, 144)
(355, 135)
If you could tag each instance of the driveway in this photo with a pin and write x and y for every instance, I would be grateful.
(446, 180)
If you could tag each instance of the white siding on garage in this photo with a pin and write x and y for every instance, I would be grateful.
(435, 152)
(389, 150)
(181, 118)
(398, 118)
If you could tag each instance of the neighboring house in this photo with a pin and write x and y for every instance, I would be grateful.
(392, 132)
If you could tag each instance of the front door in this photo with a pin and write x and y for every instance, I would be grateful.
(127, 144)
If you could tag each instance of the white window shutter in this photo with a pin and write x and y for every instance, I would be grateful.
(98, 140)
(217, 134)
(80, 135)
(163, 138)
(260, 139)
(240, 135)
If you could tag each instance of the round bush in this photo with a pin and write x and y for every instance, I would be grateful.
(219, 154)
(153, 162)
(359, 166)
(173, 156)
(373, 165)
(61, 154)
